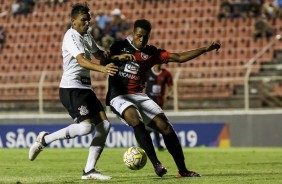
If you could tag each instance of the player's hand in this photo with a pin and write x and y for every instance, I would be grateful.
(213, 46)
(111, 69)
(106, 54)
(124, 57)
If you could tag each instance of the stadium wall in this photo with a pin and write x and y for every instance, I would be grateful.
(253, 128)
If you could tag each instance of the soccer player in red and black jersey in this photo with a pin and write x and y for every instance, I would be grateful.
(158, 88)
(127, 100)
(159, 84)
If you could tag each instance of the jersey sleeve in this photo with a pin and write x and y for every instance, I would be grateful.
(94, 45)
(163, 56)
(73, 44)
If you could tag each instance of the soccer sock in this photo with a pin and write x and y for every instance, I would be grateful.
(174, 147)
(145, 141)
(93, 156)
(69, 132)
(97, 144)
(157, 137)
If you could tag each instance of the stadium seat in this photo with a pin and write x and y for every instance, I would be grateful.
(209, 11)
(172, 12)
(207, 32)
(171, 23)
(174, 4)
(229, 42)
(184, 12)
(149, 14)
(160, 13)
(231, 32)
(194, 33)
(245, 31)
(162, 5)
(150, 5)
(137, 14)
(126, 5)
(243, 42)
(183, 23)
(171, 33)
(243, 53)
(207, 22)
(169, 45)
(196, 12)
(158, 34)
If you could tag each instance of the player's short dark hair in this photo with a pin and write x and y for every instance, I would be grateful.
(144, 24)
(78, 9)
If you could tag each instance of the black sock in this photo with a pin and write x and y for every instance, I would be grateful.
(157, 136)
(174, 147)
(145, 141)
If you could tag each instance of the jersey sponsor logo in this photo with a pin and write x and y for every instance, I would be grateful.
(128, 75)
(144, 56)
(85, 80)
(131, 68)
(83, 110)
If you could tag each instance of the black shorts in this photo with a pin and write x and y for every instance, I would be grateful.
(81, 103)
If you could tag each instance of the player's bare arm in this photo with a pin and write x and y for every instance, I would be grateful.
(109, 69)
(102, 54)
(123, 57)
(191, 54)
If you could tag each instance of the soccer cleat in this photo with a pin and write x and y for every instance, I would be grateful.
(160, 170)
(37, 146)
(94, 175)
(188, 174)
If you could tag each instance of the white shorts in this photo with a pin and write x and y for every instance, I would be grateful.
(147, 108)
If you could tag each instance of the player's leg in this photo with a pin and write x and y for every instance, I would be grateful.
(158, 141)
(133, 118)
(157, 137)
(161, 123)
(125, 108)
(74, 101)
(102, 129)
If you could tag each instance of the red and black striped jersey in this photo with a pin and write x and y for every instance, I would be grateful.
(131, 75)
(156, 85)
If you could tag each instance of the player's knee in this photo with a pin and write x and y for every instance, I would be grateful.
(103, 127)
(166, 128)
(86, 128)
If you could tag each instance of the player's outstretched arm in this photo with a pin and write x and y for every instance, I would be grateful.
(191, 54)
(109, 69)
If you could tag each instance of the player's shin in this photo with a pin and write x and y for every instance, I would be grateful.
(145, 141)
(174, 147)
(97, 144)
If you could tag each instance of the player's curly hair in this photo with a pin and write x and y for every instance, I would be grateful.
(144, 24)
(79, 8)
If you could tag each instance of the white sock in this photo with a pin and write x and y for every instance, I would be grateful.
(69, 132)
(93, 156)
(97, 144)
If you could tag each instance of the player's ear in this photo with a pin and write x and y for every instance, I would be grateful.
(72, 21)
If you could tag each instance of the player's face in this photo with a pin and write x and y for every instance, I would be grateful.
(81, 23)
(140, 37)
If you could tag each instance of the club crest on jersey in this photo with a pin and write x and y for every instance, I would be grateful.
(131, 68)
(83, 110)
(144, 56)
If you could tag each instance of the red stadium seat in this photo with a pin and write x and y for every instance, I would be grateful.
(171, 23)
(172, 12)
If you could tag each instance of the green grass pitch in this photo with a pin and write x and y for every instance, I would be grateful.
(217, 165)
